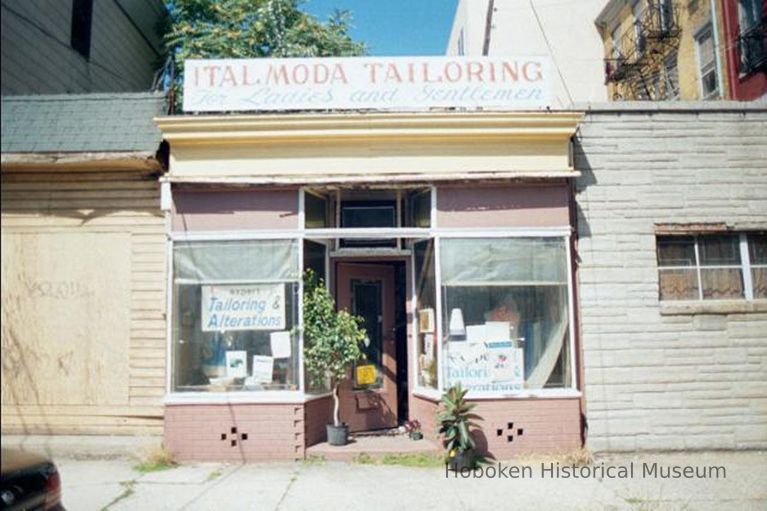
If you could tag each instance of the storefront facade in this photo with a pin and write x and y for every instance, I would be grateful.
(448, 232)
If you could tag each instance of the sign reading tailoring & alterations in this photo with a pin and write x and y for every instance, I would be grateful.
(246, 307)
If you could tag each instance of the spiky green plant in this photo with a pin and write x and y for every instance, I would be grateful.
(456, 421)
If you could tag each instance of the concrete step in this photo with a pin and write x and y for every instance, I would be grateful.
(374, 446)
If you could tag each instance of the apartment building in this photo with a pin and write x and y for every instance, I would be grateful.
(562, 31)
(683, 50)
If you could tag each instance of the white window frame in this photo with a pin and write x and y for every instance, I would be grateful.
(669, 86)
(244, 396)
(745, 267)
(564, 233)
(706, 30)
(326, 236)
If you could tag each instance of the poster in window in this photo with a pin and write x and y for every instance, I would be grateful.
(245, 307)
(506, 363)
(236, 364)
(263, 369)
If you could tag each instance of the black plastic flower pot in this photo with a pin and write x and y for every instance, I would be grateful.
(416, 435)
(462, 460)
(338, 435)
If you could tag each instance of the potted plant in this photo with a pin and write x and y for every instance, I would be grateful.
(413, 429)
(332, 344)
(455, 424)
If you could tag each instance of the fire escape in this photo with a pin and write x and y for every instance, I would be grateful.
(752, 47)
(642, 64)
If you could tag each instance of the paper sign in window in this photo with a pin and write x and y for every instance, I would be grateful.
(236, 364)
(250, 307)
(263, 368)
(280, 343)
(366, 374)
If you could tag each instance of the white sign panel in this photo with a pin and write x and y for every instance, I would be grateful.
(379, 83)
(486, 367)
(250, 307)
(263, 369)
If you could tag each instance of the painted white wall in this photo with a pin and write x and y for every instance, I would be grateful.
(574, 44)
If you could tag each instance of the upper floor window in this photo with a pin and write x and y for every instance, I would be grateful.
(707, 64)
(751, 40)
(712, 266)
(638, 10)
(671, 85)
(82, 17)
(615, 38)
(461, 44)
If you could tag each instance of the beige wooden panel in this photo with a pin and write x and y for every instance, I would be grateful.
(65, 333)
(85, 206)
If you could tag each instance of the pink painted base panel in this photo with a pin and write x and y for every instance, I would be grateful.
(259, 432)
(229, 432)
(513, 427)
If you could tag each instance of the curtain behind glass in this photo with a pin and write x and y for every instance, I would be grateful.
(243, 261)
(503, 260)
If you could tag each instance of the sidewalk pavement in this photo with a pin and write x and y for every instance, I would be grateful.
(113, 484)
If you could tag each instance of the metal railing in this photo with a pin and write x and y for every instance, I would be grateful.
(752, 47)
(654, 34)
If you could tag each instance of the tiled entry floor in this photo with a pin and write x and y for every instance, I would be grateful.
(373, 445)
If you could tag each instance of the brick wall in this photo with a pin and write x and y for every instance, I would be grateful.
(235, 432)
(518, 426)
(318, 413)
(511, 427)
(655, 380)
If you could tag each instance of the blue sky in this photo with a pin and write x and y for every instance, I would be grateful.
(394, 27)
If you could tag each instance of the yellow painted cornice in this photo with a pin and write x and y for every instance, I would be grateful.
(327, 128)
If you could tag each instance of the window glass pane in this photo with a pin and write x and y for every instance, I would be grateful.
(504, 260)
(678, 284)
(721, 284)
(706, 48)
(370, 214)
(420, 209)
(367, 304)
(236, 260)
(719, 250)
(676, 251)
(506, 322)
(425, 290)
(757, 248)
(232, 323)
(759, 279)
(314, 259)
(315, 211)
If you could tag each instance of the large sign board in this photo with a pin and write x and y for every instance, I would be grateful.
(246, 307)
(365, 83)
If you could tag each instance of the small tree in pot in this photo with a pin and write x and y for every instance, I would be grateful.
(332, 344)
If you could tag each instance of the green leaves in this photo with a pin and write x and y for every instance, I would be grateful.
(456, 420)
(252, 29)
(332, 339)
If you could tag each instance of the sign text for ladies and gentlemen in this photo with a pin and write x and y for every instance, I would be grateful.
(385, 83)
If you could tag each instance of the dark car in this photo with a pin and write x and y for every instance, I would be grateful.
(29, 482)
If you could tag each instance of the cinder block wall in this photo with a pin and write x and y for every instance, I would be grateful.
(656, 380)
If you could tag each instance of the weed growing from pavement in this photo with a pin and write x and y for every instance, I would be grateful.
(401, 459)
(214, 475)
(155, 459)
(314, 459)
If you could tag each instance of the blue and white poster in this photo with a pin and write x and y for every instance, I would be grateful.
(246, 307)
